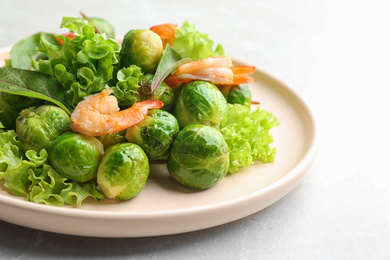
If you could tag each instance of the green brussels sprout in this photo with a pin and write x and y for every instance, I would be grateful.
(163, 92)
(111, 139)
(155, 133)
(37, 128)
(237, 94)
(199, 157)
(11, 105)
(123, 171)
(142, 48)
(104, 26)
(76, 156)
(201, 102)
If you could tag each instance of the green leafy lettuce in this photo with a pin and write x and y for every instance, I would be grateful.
(83, 65)
(248, 136)
(28, 174)
(126, 89)
(190, 43)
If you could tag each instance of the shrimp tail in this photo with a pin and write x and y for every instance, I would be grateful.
(99, 114)
(241, 74)
(217, 70)
(133, 115)
(166, 32)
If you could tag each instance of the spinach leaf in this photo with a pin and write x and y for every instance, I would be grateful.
(33, 84)
(168, 63)
(25, 51)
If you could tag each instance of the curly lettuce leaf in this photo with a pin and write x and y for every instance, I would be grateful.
(126, 89)
(84, 64)
(248, 136)
(190, 43)
(10, 152)
(50, 188)
(28, 174)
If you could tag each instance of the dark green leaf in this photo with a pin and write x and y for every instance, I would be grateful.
(25, 51)
(168, 63)
(32, 84)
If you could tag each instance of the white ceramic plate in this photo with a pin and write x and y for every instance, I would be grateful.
(164, 207)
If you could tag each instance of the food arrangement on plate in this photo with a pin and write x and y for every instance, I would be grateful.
(83, 114)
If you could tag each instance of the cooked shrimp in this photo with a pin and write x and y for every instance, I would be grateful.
(240, 74)
(166, 32)
(214, 69)
(99, 114)
(217, 70)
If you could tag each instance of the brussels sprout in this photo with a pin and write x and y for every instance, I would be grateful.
(11, 105)
(123, 171)
(37, 128)
(111, 139)
(155, 133)
(163, 92)
(237, 94)
(200, 102)
(104, 26)
(199, 157)
(142, 48)
(76, 156)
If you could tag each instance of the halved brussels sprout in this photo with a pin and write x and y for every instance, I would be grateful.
(38, 128)
(155, 133)
(199, 157)
(123, 171)
(76, 156)
(237, 94)
(201, 102)
(143, 48)
(11, 105)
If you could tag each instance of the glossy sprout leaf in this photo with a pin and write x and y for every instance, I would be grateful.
(32, 84)
(143, 48)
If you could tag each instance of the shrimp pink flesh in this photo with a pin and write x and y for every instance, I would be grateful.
(217, 70)
(99, 114)
(214, 69)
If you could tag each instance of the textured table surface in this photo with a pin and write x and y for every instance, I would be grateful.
(335, 54)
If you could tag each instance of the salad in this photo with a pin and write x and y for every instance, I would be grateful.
(83, 114)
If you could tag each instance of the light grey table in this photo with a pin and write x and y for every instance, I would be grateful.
(336, 55)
